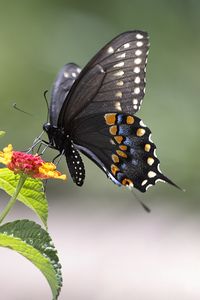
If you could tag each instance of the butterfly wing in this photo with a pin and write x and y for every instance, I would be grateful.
(62, 85)
(114, 80)
(121, 146)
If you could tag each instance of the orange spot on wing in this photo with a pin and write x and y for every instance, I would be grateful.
(115, 158)
(130, 120)
(110, 119)
(118, 139)
(121, 153)
(114, 169)
(113, 130)
(127, 181)
(147, 147)
(123, 147)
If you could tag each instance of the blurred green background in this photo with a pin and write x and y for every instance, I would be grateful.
(38, 37)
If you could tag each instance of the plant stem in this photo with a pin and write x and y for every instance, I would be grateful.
(13, 199)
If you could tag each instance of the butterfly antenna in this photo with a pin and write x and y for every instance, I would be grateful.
(19, 109)
(47, 104)
(146, 208)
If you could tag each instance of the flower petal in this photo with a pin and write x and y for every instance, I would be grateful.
(48, 170)
(6, 155)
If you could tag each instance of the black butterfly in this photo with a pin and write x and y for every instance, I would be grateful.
(92, 111)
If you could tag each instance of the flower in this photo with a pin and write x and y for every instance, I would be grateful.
(31, 165)
(6, 155)
(48, 170)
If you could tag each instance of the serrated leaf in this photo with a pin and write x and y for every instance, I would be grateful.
(2, 133)
(33, 242)
(32, 194)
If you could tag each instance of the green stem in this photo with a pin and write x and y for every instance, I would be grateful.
(13, 199)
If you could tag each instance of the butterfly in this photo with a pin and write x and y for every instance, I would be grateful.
(92, 111)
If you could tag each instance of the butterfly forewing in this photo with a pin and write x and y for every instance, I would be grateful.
(114, 80)
(63, 83)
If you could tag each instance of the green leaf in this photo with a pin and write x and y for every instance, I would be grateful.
(32, 194)
(33, 242)
(2, 133)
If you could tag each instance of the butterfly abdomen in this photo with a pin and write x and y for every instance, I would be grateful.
(75, 164)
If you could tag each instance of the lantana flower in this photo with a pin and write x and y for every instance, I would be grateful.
(31, 165)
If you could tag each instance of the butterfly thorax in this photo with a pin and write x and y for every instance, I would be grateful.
(58, 139)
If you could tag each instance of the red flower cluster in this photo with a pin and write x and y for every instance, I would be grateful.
(31, 165)
(26, 163)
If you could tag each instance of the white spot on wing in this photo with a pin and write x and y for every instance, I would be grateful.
(144, 182)
(74, 74)
(150, 161)
(112, 142)
(135, 101)
(66, 74)
(136, 70)
(137, 80)
(138, 61)
(110, 50)
(118, 94)
(78, 70)
(127, 45)
(137, 90)
(151, 174)
(118, 105)
(138, 52)
(142, 124)
(139, 44)
(119, 73)
(123, 55)
(120, 64)
(139, 36)
(120, 83)
(135, 107)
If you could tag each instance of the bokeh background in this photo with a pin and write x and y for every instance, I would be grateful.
(109, 247)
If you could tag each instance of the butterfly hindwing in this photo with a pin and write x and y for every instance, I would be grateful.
(114, 80)
(121, 145)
